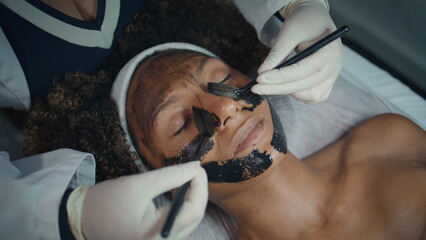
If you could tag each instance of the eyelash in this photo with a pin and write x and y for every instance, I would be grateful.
(184, 126)
(226, 78)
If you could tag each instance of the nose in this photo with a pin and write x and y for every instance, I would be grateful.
(224, 108)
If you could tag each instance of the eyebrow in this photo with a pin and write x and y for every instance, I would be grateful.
(202, 64)
(174, 99)
(166, 104)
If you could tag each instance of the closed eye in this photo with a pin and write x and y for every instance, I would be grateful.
(226, 78)
(184, 125)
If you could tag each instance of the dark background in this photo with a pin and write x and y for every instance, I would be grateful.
(389, 33)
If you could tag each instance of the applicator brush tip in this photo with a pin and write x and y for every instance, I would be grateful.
(223, 90)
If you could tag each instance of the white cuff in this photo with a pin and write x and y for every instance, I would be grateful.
(32, 189)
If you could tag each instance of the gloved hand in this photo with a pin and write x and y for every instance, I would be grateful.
(311, 79)
(123, 208)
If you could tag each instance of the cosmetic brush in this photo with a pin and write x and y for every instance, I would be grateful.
(205, 124)
(238, 93)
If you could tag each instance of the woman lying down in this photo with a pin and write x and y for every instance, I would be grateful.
(370, 184)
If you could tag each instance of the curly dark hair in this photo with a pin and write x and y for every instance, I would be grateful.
(79, 113)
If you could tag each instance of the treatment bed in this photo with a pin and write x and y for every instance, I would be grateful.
(363, 90)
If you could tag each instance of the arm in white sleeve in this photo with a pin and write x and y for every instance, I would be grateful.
(32, 188)
(260, 14)
(14, 91)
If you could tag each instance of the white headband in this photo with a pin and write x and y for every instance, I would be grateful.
(124, 77)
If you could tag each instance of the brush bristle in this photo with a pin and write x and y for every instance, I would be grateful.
(223, 90)
(204, 121)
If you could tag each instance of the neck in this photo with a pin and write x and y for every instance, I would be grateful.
(284, 202)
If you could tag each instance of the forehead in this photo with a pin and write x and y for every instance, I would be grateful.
(168, 66)
(154, 79)
(159, 74)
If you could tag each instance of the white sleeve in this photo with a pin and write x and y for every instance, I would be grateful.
(14, 90)
(31, 191)
(260, 14)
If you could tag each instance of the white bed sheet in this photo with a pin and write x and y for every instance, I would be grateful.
(397, 96)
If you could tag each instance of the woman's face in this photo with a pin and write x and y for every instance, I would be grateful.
(159, 109)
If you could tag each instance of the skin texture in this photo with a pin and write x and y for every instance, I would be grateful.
(371, 184)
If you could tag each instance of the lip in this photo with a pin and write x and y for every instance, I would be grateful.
(248, 134)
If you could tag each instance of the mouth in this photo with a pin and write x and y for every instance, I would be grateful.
(248, 134)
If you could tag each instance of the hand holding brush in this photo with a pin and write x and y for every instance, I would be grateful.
(237, 93)
(205, 125)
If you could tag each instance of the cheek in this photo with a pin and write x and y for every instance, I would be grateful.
(182, 156)
(279, 142)
(257, 162)
(186, 153)
(252, 101)
(150, 157)
(238, 169)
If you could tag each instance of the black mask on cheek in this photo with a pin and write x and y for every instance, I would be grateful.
(238, 169)
(253, 100)
(279, 140)
(187, 152)
(242, 169)
(248, 167)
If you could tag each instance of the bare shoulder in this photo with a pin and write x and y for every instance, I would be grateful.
(389, 152)
(389, 135)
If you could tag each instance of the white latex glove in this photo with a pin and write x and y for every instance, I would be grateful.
(311, 79)
(123, 208)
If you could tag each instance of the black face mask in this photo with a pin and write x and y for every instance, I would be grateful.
(248, 167)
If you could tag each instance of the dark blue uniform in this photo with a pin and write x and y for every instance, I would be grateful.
(49, 43)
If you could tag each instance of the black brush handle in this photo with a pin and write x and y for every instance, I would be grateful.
(315, 47)
(177, 203)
